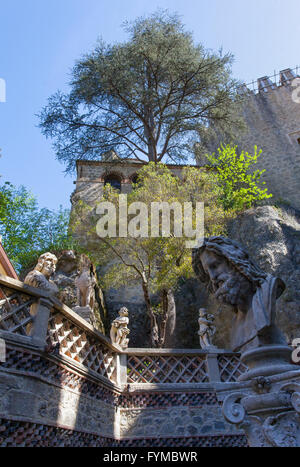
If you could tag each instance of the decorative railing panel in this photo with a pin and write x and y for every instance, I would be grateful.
(30, 316)
(231, 368)
(15, 314)
(67, 339)
(166, 369)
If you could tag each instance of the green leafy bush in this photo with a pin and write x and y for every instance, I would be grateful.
(240, 186)
(26, 230)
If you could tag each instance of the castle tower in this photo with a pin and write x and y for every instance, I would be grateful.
(273, 120)
(272, 116)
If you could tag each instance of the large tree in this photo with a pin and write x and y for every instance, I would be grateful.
(156, 263)
(147, 98)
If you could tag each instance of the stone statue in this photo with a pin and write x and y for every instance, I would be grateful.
(206, 328)
(235, 280)
(119, 330)
(85, 284)
(40, 276)
(265, 401)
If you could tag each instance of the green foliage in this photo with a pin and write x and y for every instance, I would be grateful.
(158, 263)
(146, 98)
(28, 231)
(239, 183)
(155, 262)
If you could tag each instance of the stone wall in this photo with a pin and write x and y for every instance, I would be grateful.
(272, 120)
(44, 403)
(195, 415)
(272, 237)
(37, 397)
(91, 177)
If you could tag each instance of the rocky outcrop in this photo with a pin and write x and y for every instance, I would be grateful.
(272, 237)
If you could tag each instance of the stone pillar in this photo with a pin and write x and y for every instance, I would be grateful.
(266, 400)
(213, 368)
(121, 364)
(41, 312)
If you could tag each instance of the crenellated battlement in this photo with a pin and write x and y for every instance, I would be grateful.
(267, 84)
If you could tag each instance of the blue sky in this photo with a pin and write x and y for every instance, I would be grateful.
(41, 39)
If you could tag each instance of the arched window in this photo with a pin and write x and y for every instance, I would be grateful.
(114, 181)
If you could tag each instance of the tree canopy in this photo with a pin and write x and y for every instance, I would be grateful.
(156, 263)
(26, 230)
(146, 98)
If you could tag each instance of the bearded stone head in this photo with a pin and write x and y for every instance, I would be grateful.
(227, 270)
(46, 264)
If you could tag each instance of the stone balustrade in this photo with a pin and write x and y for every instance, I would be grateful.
(182, 366)
(33, 317)
(64, 383)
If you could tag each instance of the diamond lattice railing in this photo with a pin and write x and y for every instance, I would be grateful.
(231, 368)
(166, 369)
(75, 343)
(15, 314)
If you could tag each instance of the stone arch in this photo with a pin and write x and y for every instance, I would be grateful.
(115, 179)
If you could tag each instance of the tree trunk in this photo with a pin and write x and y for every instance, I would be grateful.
(149, 132)
(150, 128)
(154, 330)
(168, 319)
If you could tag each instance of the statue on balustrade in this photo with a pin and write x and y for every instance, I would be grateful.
(236, 280)
(40, 276)
(119, 329)
(206, 328)
(85, 284)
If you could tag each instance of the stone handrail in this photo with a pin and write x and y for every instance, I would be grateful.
(182, 366)
(32, 317)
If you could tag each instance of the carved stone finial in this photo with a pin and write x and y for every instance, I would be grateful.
(40, 276)
(206, 328)
(119, 329)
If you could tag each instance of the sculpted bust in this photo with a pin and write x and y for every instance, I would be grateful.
(236, 280)
(40, 276)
